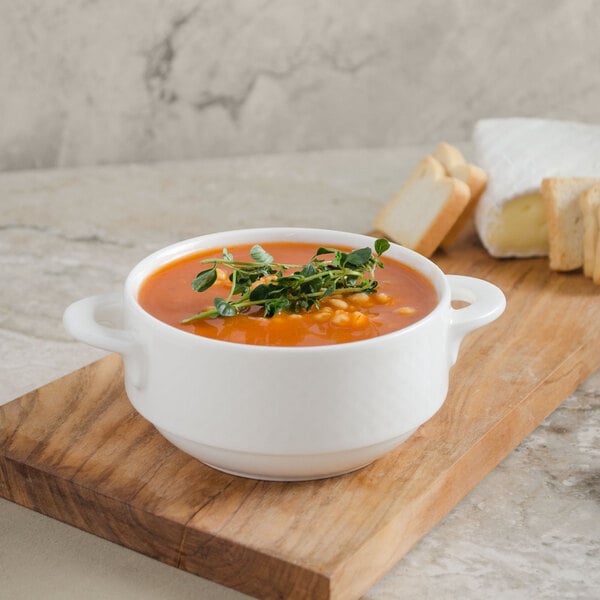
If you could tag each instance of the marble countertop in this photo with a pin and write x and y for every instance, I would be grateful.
(531, 529)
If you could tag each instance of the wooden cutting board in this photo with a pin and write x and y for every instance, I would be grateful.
(77, 451)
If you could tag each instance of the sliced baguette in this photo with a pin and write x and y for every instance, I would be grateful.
(565, 221)
(596, 275)
(473, 176)
(449, 155)
(476, 178)
(589, 202)
(421, 214)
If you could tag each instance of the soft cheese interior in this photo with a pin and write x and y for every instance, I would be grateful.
(517, 154)
(518, 227)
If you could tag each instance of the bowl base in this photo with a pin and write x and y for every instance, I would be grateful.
(285, 467)
(285, 477)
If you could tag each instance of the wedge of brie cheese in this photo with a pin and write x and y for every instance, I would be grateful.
(516, 155)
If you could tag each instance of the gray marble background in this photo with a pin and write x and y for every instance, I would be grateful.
(92, 82)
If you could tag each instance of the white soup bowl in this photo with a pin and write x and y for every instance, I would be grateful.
(285, 413)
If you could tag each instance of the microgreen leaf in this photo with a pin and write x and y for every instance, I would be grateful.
(340, 258)
(322, 250)
(260, 255)
(224, 308)
(260, 292)
(329, 291)
(308, 270)
(277, 305)
(358, 258)
(204, 280)
(381, 246)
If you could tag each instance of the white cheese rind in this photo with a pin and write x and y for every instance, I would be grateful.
(517, 154)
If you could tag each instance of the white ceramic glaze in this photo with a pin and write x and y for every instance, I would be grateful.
(285, 413)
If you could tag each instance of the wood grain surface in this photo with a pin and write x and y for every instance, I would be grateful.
(77, 451)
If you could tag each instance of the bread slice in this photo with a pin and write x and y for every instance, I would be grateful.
(565, 221)
(589, 203)
(456, 166)
(596, 275)
(449, 155)
(421, 214)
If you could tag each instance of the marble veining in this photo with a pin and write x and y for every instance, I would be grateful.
(87, 83)
(532, 527)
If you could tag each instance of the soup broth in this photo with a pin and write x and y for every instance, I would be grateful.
(403, 297)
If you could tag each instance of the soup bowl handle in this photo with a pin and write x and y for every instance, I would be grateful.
(486, 303)
(96, 321)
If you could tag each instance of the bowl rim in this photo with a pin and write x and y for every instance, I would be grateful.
(177, 250)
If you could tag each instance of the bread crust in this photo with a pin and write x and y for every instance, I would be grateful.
(458, 200)
(589, 202)
(596, 274)
(450, 156)
(430, 197)
(565, 221)
(476, 180)
(456, 166)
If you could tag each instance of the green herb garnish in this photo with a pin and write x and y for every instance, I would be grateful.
(300, 290)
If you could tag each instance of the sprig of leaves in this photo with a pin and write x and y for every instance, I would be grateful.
(288, 287)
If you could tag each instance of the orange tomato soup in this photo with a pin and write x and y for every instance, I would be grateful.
(403, 296)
